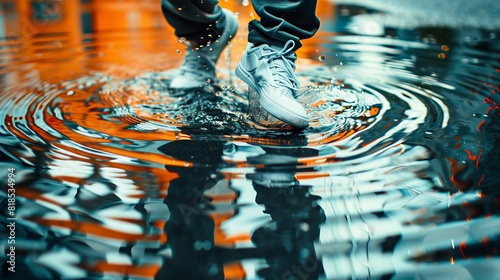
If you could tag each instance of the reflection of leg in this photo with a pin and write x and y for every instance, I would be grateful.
(190, 228)
(293, 232)
(283, 20)
(208, 29)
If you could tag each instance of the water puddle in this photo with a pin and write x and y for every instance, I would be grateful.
(119, 177)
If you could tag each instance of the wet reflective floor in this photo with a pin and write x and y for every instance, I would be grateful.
(108, 174)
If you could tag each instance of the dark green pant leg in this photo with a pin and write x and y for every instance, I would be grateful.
(283, 20)
(193, 19)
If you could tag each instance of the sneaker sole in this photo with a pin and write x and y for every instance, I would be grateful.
(268, 103)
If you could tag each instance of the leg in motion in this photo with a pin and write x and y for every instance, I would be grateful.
(207, 29)
(268, 65)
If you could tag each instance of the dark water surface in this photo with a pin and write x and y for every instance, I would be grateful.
(117, 177)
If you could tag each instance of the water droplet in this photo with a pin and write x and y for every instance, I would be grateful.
(197, 245)
(445, 48)
(178, 51)
(70, 93)
(345, 12)
(245, 3)
(182, 40)
(441, 56)
(232, 88)
(304, 227)
(209, 81)
(322, 57)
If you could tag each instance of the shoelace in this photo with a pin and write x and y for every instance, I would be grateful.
(285, 71)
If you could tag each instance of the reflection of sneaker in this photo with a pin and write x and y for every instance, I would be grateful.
(270, 71)
(198, 68)
(273, 179)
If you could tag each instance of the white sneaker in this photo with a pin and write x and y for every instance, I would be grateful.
(198, 68)
(270, 71)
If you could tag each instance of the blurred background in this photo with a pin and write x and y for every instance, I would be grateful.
(74, 18)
